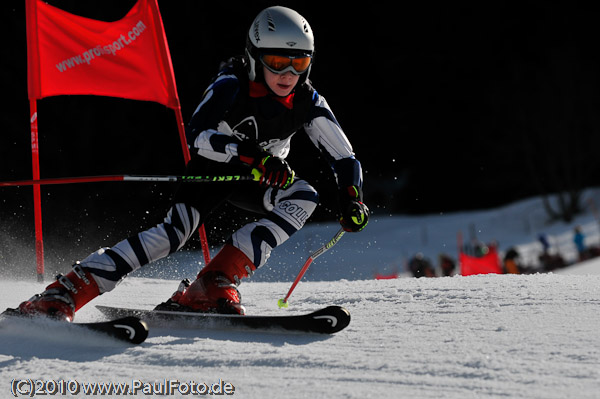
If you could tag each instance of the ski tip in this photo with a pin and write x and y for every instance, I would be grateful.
(131, 329)
(332, 319)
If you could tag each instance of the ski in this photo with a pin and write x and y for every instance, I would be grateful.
(129, 329)
(329, 320)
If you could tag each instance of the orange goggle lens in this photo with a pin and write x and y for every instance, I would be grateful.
(280, 63)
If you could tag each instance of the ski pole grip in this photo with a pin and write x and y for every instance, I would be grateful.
(256, 174)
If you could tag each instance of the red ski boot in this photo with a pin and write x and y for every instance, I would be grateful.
(64, 297)
(215, 287)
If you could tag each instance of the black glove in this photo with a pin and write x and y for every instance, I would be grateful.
(274, 172)
(268, 170)
(355, 214)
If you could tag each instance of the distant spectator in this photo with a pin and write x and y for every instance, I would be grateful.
(511, 262)
(447, 265)
(579, 240)
(420, 266)
(544, 241)
(479, 248)
(550, 262)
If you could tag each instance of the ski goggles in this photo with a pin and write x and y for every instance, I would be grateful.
(282, 63)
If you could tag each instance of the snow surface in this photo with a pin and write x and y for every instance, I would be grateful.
(510, 336)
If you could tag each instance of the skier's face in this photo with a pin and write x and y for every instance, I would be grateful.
(281, 84)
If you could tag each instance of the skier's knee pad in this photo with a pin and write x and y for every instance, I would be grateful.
(287, 211)
(294, 205)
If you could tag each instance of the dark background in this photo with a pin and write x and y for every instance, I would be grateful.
(449, 106)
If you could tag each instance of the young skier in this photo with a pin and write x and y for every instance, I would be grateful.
(244, 124)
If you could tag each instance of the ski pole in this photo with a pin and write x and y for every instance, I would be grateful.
(138, 178)
(283, 303)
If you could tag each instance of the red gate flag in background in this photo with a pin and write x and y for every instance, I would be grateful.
(486, 264)
(128, 58)
(73, 55)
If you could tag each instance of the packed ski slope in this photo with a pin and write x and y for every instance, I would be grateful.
(511, 336)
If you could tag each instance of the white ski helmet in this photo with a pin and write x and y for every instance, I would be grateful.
(278, 31)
